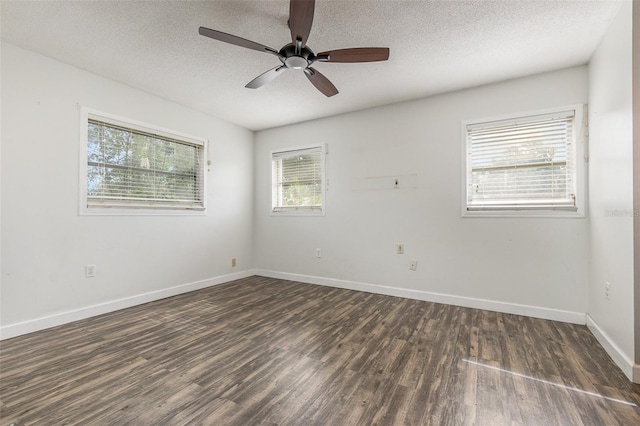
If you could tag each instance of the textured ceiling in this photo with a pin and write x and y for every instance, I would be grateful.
(436, 46)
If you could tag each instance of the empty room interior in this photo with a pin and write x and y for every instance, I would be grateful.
(320, 213)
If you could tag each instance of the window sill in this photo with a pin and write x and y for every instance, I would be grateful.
(524, 213)
(312, 213)
(141, 211)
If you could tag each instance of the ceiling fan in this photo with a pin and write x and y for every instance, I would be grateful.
(297, 55)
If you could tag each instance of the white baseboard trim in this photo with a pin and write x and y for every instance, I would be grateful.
(622, 360)
(467, 302)
(631, 370)
(18, 329)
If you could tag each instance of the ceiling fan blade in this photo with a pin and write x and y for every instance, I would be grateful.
(266, 77)
(356, 54)
(301, 19)
(321, 82)
(238, 41)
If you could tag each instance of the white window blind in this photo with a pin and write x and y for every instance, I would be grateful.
(522, 164)
(297, 180)
(136, 167)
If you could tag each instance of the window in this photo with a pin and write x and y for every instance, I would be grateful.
(134, 166)
(297, 179)
(523, 164)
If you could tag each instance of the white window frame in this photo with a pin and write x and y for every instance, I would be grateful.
(580, 136)
(115, 208)
(302, 211)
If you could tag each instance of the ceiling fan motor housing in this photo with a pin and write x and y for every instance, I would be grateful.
(291, 59)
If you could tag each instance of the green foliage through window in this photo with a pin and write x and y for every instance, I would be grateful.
(127, 167)
(297, 180)
(522, 163)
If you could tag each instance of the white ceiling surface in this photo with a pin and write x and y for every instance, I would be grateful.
(436, 46)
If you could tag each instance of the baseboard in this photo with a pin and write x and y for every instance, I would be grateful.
(631, 370)
(622, 360)
(467, 302)
(18, 329)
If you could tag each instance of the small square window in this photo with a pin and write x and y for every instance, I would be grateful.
(297, 178)
(523, 165)
(133, 166)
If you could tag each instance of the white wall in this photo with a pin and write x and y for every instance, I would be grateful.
(611, 191)
(46, 244)
(496, 263)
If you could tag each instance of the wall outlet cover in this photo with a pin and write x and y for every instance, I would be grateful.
(90, 271)
(413, 265)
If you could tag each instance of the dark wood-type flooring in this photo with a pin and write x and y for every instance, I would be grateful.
(262, 351)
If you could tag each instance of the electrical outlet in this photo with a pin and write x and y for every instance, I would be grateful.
(413, 265)
(400, 248)
(90, 271)
(318, 252)
(233, 262)
(607, 290)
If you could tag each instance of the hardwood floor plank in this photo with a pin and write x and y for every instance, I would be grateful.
(392, 402)
(267, 351)
(215, 412)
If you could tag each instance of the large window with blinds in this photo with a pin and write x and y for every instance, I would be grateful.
(523, 164)
(297, 181)
(134, 166)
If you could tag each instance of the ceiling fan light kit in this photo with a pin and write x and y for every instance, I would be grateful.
(296, 55)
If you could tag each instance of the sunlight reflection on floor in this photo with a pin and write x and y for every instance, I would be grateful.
(597, 395)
